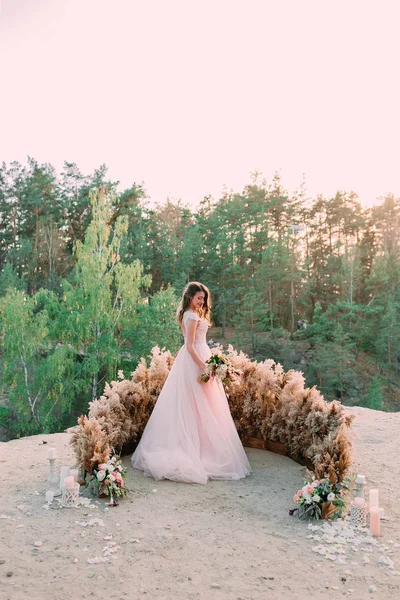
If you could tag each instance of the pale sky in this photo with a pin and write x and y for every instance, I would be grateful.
(191, 96)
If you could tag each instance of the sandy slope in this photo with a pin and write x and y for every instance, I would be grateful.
(225, 540)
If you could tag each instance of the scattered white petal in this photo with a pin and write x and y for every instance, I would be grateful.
(91, 523)
(111, 548)
(85, 501)
(336, 540)
(38, 544)
(97, 559)
(385, 560)
(366, 559)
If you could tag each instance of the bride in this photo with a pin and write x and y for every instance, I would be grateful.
(190, 435)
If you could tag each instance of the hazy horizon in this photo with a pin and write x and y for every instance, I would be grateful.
(191, 98)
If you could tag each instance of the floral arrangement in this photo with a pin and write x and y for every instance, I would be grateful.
(319, 498)
(107, 480)
(219, 365)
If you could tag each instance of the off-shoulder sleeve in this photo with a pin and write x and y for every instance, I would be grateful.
(190, 316)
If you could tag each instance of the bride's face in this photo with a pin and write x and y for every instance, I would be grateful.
(197, 301)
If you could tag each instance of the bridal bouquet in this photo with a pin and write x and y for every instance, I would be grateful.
(219, 365)
(319, 499)
(107, 480)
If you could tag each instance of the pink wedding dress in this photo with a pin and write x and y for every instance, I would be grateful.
(190, 435)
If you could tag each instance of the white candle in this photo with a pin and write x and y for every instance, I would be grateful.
(74, 474)
(360, 479)
(69, 482)
(49, 496)
(359, 501)
(373, 499)
(64, 472)
(375, 521)
(381, 513)
(51, 453)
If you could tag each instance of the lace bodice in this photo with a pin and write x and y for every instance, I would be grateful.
(201, 331)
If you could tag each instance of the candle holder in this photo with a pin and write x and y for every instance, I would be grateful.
(360, 484)
(70, 496)
(358, 515)
(53, 477)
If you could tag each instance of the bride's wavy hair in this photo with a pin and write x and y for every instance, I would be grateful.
(188, 293)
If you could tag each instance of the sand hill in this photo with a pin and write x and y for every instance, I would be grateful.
(224, 541)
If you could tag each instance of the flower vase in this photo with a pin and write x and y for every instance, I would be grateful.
(328, 510)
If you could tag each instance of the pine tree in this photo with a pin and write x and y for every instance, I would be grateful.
(374, 396)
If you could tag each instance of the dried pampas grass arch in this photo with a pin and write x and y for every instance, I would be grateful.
(271, 409)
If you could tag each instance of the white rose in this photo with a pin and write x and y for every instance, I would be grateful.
(101, 475)
(331, 497)
(222, 370)
(316, 498)
(315, 484)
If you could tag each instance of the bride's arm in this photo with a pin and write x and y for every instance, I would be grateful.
(191, 327)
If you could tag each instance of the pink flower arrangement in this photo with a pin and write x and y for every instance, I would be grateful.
(319, 498)
(219, 365)
(107, 480)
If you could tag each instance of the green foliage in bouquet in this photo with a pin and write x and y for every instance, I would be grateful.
(107, 480)
(219, 365)
(320, 498)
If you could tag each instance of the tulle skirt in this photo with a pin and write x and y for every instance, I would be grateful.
(191, 436)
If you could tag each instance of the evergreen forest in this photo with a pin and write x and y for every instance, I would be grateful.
(90, 278)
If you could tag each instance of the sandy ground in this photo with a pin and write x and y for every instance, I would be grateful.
(225, 540)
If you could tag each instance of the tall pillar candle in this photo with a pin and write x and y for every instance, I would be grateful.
(373, 499)
(375, 521)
